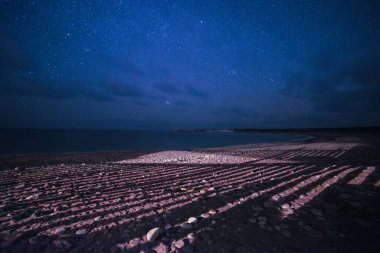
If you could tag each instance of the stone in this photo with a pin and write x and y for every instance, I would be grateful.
(363, 222)
(187, 225)
(192, 220)
(253, 220)
(61, 244)
(59, 231)
(179, 244)
(285, 206)
(269, 204)
(82, 231)
(286, 233)
(316, 212)
(19, 186)
(153, 234)
(162, 248)
(257, 208)
(284, 226)
(36, 239)
(192, 236)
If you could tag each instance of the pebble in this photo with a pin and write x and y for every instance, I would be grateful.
(257, 208)
(192, 220)
(59, 231)
(187, 225)
(316, 212)
(153, 234)
(262, 221)
(362, 222)
(269, 204)
(19, 186)
(162, 248)
(36, 239)
(179, 244)
(287, 233)
(192, 236)
(82, 231)
(61, 244)
(285, 206)
(284, 226)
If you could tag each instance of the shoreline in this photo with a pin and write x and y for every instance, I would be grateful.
(318, 195)
(11, 161)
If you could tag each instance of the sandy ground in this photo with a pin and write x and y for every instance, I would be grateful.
(314, 196)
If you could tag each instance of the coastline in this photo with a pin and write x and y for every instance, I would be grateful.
(316, 195)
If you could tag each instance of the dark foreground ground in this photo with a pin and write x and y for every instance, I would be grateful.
(316, 196)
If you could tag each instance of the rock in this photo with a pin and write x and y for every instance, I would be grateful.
(61, 244)
(316, 212)
(19, 186)
(59, 231)
(363, 222)
(36, 239)
(269, 204)
(253, 220)
(187, 225)
(179, 244)
(168, 226)
(82, 231)
(284, 226)
(262, 221)
(205, 215)
(192, 236)
(286, 233)
(315, 233)
(153, 234)
(162, 248)
(285, 206)
(257, 208)
(344, 196)
(192, 220)
(33, 196)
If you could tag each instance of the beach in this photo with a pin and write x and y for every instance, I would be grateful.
(316, 195)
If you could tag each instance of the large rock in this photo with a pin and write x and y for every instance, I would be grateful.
(153, 234)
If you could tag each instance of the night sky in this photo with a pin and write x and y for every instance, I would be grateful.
(189, 64)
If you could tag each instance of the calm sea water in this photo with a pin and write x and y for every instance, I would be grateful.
(33, 141)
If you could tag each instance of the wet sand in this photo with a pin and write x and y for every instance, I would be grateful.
(320, 195)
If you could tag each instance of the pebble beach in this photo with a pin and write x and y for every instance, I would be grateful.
(317, 195)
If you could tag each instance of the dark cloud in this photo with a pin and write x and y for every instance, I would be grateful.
(36, 86)
(196, 92)
(342, 82)
(167, 88)
(122, 89)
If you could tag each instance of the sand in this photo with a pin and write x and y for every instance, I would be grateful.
(319, 195)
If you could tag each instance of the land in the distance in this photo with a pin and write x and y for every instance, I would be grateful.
(319, 195)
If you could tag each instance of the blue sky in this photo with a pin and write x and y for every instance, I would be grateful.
(173, 64)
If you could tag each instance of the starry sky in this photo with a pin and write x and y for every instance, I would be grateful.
(189, 64)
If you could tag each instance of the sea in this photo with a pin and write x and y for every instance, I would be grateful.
(52, 141)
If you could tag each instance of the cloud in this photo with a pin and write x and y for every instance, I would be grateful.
(122, 89)
(126, 65)
(341, 82)
(167, 88)
(38, 86)
(196, 92)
